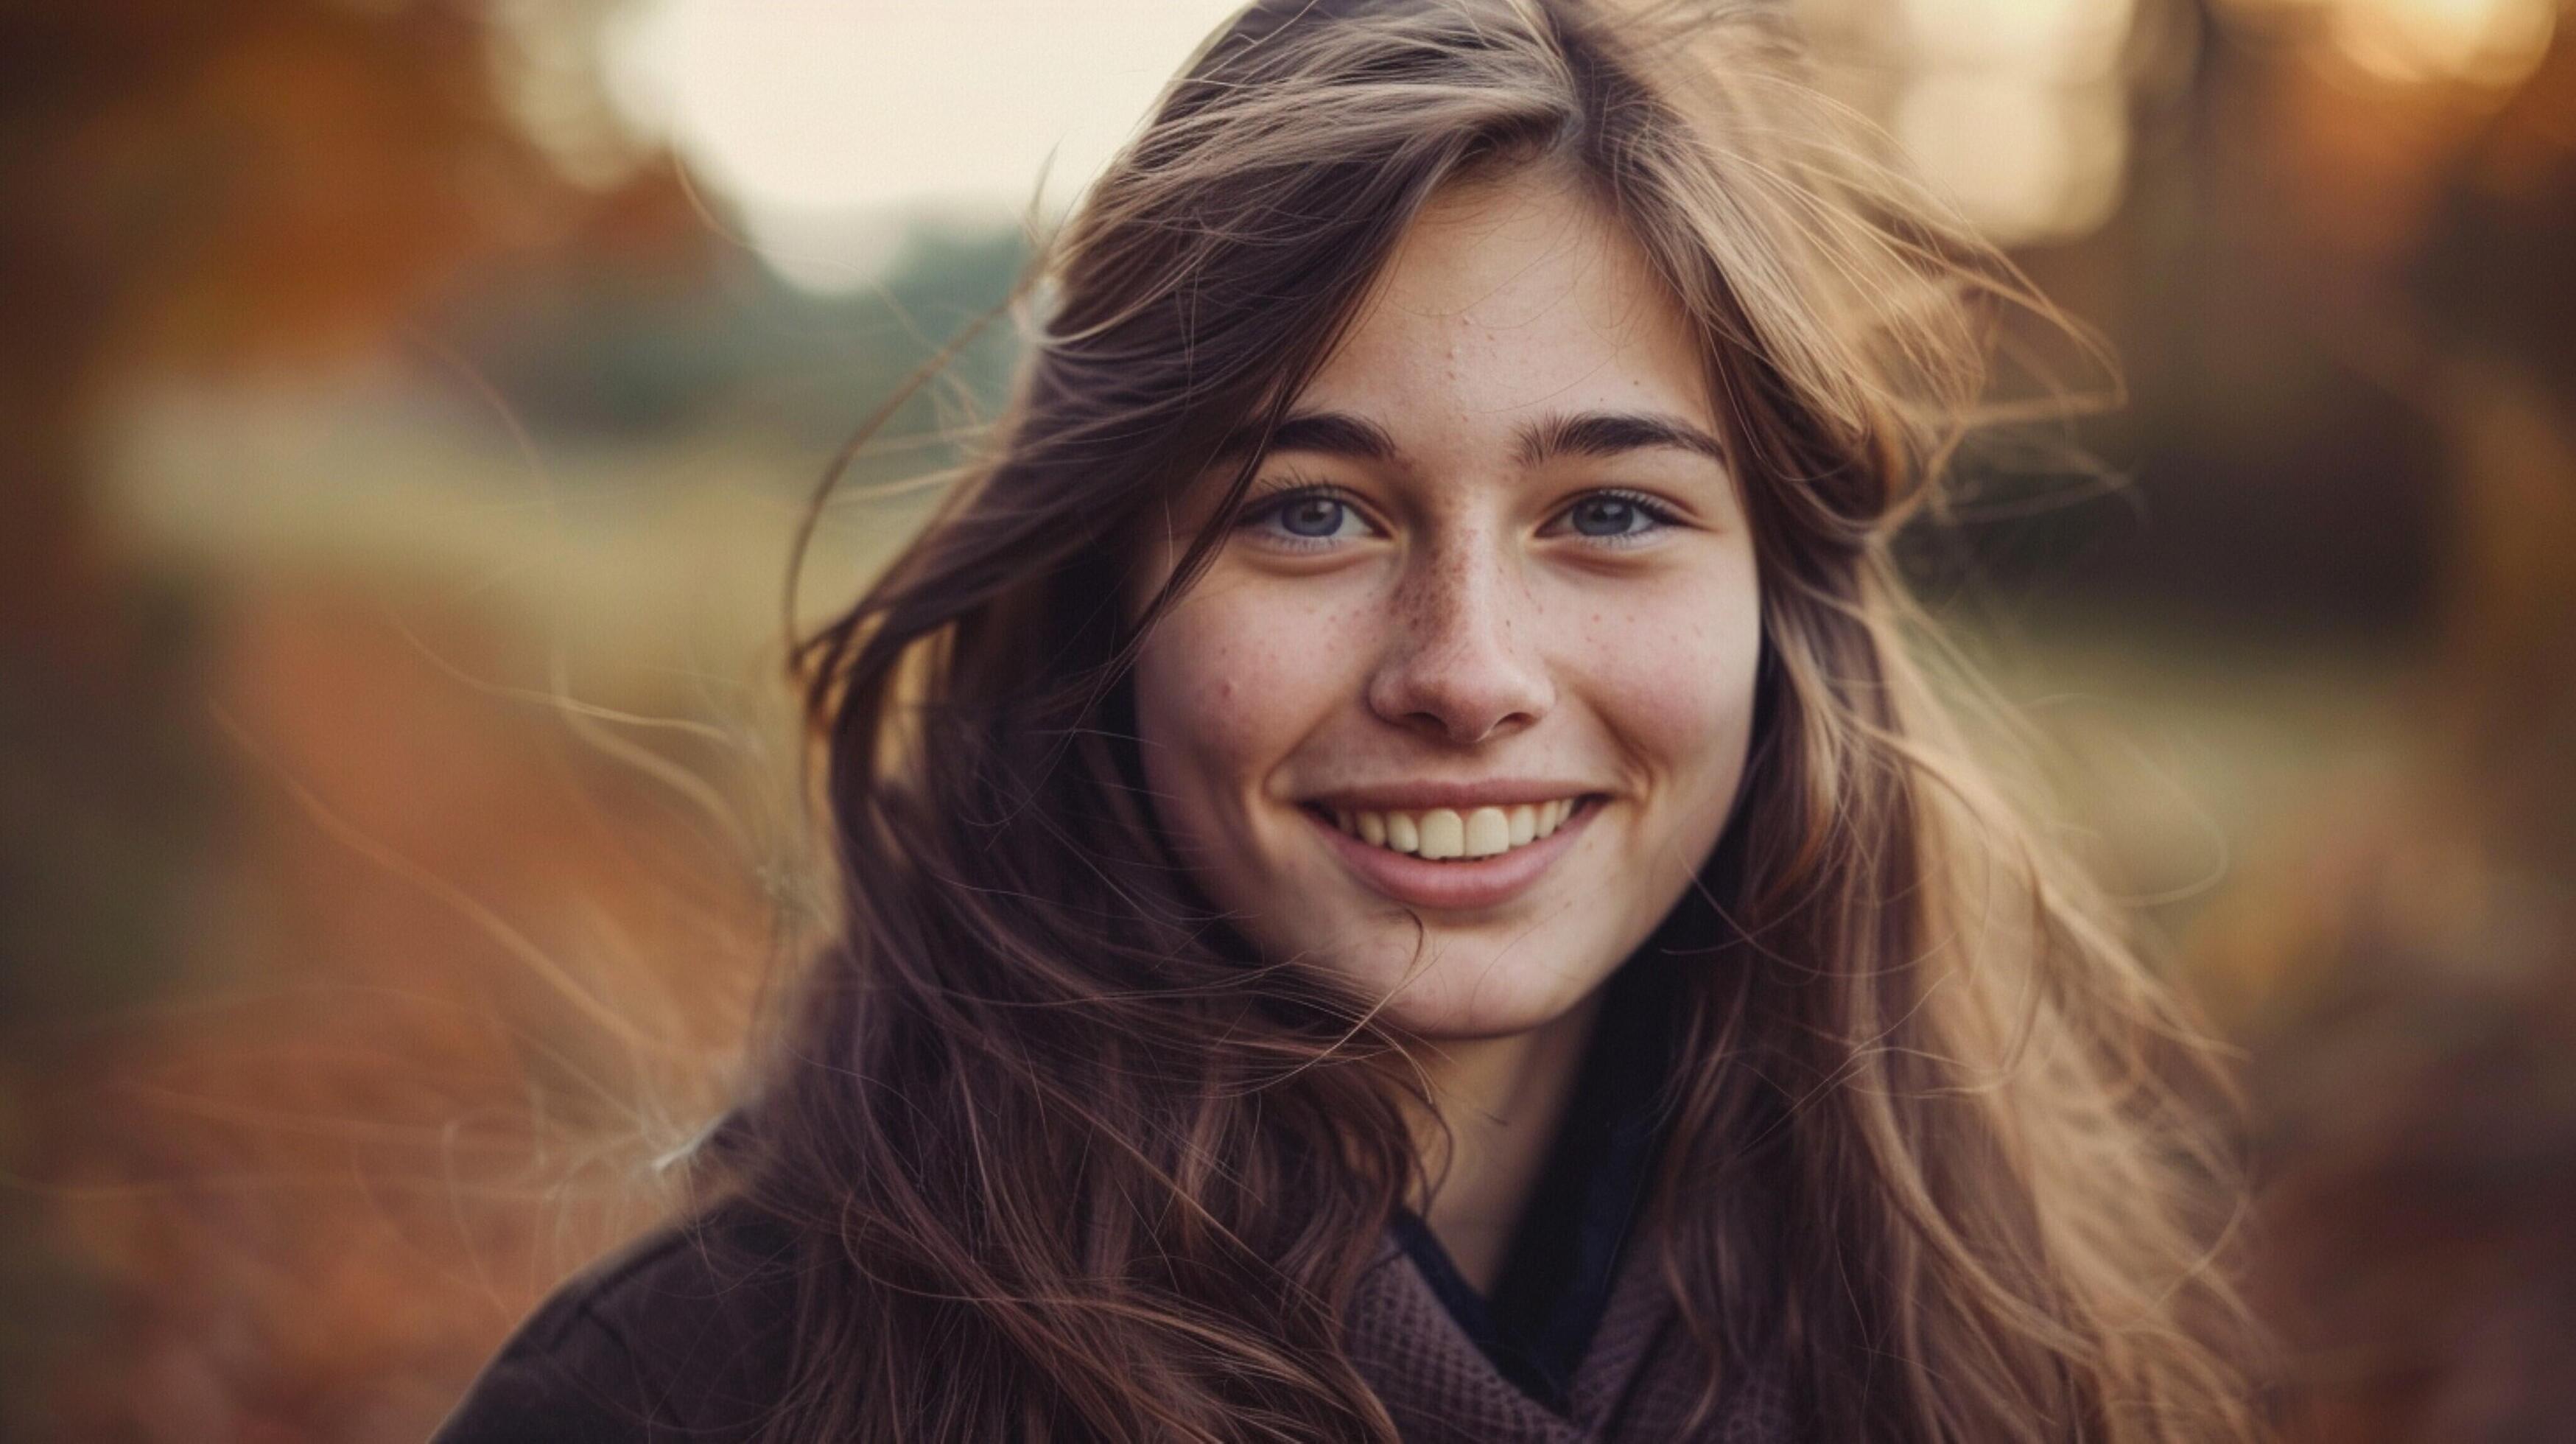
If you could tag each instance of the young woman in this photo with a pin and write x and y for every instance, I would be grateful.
(1399, 880)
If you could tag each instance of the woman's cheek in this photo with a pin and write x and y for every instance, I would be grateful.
(1672, 671)
(1239, 672)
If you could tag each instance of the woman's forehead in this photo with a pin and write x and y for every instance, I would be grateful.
(1506, 302)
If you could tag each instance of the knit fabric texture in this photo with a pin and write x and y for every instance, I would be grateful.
(683, 1336)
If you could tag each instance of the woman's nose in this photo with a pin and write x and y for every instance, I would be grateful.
(1462, 662)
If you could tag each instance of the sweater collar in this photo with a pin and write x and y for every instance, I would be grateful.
(1580, 1302)
(1441, 1388)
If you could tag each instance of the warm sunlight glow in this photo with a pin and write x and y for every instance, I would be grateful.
(2028, 163)
(2063, 40)
(814, 120)
(2015, 110)
(2490, 43)
(2482, 42)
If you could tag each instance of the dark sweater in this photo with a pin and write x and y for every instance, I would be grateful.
(685, 1334)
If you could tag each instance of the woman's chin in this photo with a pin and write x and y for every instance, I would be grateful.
(1460, 983)
(1460, 997)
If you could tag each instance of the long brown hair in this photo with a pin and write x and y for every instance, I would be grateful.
(1071, 1161)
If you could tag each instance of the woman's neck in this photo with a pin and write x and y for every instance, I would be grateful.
(1501, 1101)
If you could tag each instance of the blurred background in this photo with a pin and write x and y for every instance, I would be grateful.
(409, 405)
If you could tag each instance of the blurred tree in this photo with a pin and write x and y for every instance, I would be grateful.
(2407, 979)
(191, 188)
(200, 185)
(185, 188)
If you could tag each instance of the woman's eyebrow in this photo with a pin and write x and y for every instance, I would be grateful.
(1609, 433)
(1588, 433)
(1322, 433)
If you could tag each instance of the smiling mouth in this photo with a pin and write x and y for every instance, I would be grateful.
(1442, 834)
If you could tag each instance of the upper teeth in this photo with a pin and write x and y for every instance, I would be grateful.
(1443, 832)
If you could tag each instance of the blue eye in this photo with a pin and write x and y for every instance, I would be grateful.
(1305, 517)
(1614, 516)
(1606, 516)
(1313, 517)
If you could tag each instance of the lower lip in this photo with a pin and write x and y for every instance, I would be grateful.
(1458, 885)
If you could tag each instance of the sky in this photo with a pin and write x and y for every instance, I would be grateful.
(824, 122)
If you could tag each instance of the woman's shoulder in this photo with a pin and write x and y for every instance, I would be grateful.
(682, 1333)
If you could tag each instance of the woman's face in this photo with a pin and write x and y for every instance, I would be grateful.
(1494, 572)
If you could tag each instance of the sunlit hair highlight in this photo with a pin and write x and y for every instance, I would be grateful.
(1071, 1162)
